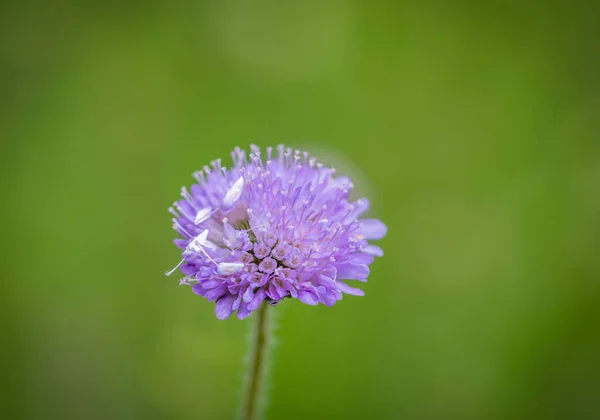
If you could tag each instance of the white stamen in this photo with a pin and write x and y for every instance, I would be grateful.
(168, 273)
(177, 225)
(198, 244)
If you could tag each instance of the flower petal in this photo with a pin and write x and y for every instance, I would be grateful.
(188, 269)
(243, 311)
(237, 302)
(329, 297)
(292, 291)
(209, 283)
(344, 288)
(329, 272)
(259, 296)
(275, 292)
(360, 206)
(216, 293)
(181, 243)
(373, 250)
(223, 308)
(350, 271)
(363, 258)
(248, 294)
(371, 229)
(308, 296)
(199, 290)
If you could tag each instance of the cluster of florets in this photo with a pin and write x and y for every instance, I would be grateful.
(268, 229)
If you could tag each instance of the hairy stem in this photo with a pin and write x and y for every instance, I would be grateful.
(254, 398)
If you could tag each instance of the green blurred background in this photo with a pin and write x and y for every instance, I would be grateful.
(472, 127)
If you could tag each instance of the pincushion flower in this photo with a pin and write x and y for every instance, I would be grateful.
(272, 228)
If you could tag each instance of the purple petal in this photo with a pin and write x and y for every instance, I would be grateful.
(362, 258)
(261, 250)
(236, 302)
(330, 273)
(288, 273)
(373, 250)
(372, 229)
(264, 279)
(360, 206)
(248, 294)
(344, 288)
(185, 209)
(329, 297)
(223, 308)
(275, 292)
(308, 296)
(188, 269)
(292, 291)
(254, 279)
(349, 271)
(243, 311)
(304, 276)
(181, 243)
(198, 193)
(209, 283)
(199, 290)
(259, 296)
(268, 265)
(216, 293)
(204, 273)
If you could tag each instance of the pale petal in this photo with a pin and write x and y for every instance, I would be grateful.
(344, 288)
(371, 229)
(353, 271)
(373, 250)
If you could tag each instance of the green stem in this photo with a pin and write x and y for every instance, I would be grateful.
(253, 399)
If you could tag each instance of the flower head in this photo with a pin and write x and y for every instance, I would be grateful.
(272, 228)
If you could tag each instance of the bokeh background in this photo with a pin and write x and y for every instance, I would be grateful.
(472, 127)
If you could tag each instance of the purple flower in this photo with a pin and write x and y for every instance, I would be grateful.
(267, 229)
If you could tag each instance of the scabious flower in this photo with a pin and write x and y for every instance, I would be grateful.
(265, 230)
